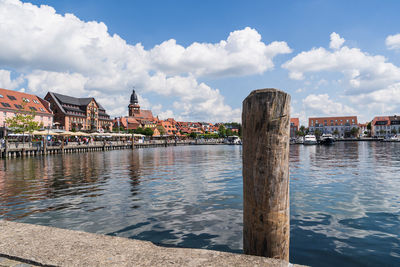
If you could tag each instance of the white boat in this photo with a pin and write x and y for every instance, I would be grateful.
(310, 139)
(233, 140)
(395, 138)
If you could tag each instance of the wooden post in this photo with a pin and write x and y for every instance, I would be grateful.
(44, 145)
(6, 149)
(266, 134)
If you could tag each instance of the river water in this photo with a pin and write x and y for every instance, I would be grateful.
(345, 199)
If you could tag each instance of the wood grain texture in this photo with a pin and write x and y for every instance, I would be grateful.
(266, 134)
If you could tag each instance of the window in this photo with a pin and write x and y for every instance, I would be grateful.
(5, 114)
(26, 100)
(18, 106)
(5, 105)
(33, 108)
(35, 101)
(11, 97)
(42, 109)
(1, 96)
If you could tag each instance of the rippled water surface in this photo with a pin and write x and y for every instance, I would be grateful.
(345, 199)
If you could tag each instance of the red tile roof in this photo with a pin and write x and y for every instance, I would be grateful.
(381, 118)
(14, 101)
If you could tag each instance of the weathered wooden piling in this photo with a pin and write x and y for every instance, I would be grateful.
(266, 134)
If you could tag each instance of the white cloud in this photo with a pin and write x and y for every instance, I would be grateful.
(7, 82)
(384, 101)
(322, 105)
(65, 54)
(393, 41)
(336, 41)
(362, 72)
(41, 82)
(369, 83)
(168, 114)
(243, 53)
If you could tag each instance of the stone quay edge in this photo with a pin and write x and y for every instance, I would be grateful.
(52, 246)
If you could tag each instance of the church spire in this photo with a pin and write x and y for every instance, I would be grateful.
(134, 99)
(134, 108)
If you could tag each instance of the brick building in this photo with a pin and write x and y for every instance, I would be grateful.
(167, 128)
(137, 117)
(294, 127)
(341, 125)
(383, 126)
(73, 113)
(12, 102)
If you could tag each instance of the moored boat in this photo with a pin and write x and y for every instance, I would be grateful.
(394, 138)
(310, 140)
(233, 140)
(327, 139)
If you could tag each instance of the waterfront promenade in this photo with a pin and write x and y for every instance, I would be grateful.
(14, 150)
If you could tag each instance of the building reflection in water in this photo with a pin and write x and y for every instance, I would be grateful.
(28, 183)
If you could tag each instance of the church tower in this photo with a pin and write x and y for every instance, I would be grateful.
(134, 108)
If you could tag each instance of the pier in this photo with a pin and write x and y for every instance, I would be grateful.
(27, 150)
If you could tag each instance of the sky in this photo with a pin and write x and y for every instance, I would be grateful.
(198, 60)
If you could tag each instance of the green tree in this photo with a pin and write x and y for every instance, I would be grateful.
(139, 130)
(336, 132)
(301, 132)
(369, 126)
(193, 135)
(394, 131)
(317, 133)
(161, 130)
(354, 131)
(148, 131)
(222, 131)
(228, 132)
(23, 122)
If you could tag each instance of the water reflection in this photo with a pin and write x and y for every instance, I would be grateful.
(345, 205)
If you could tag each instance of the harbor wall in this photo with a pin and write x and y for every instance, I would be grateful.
(49, 246)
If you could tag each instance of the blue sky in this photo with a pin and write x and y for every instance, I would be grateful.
(198, 60)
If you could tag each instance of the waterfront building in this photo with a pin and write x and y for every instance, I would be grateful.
(233, 128)
(294, 127)
(126, 123)
(214, 129)
(206, 127)
(137, 117)
(13, 102)
(143, 116)
(189, 127)
(73, 113)
(167, 128)
(383, 126)
(363, 130)
(339, 126)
